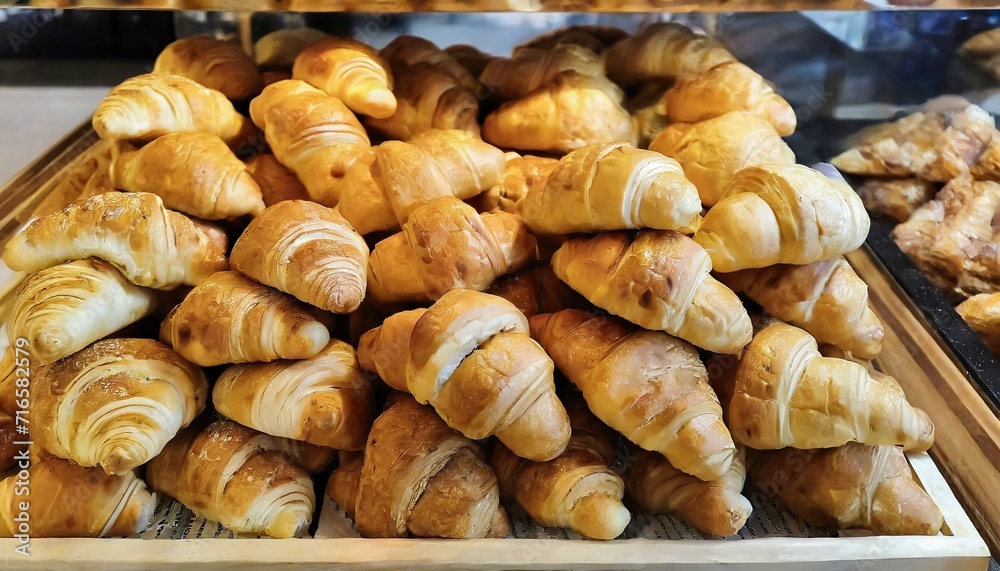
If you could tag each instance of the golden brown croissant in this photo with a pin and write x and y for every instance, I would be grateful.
(854, 485)
(647, 385)
(316, 136)
(713, 151)
(229, 318)
(214, 63)
(520, 175)
(826, 298)
(194, 173)
(473, 60)
(325, 400)
(570, 111)
(787, 394)
(596, 38)
(278, 49)
(350, 71)
(428, 97)
(395, 178)
(530, 68)
(983, 44)
(897, 198)
(654, 486)
(237, 477)
(408, 51)
(421, 478)
(536, 289)
(8, 435)
(149, 106)
(471, 358)
(116, 403)
(307, 250)
(611, 186)
(982, 313)
(150, 245)
(91, 163)
(99, 183)
(67, 500)
(729, 86)
(62, 309)
(782, 214)
(935, 146)
(577, 489)
(447, 245)
(987, 167)
(658, 279)
(276, 182)
(663, 51)
(342, 487)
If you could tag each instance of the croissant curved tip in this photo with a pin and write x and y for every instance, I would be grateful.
(379, 104)
(715, 466)
(314, 336)
(599, 516)
(288, 524)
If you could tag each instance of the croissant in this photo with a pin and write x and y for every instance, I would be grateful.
(350, 71)
(235, 476)
(570, 111)
(306, 250)
(471, 358)
(395, 178)
(62, 309)
(469, 57)
(149, 106)
(663, 51)
(982, 313)
(852, 486)
(92, 163)
(520, 175)
(316, 136)
(423, 479)
(657, 279)
(342, 487)
(68, 500)
(645, 384)
(214, 63)
(577, 489)
(324, 400)
(232, 319)
(447, 245)
(787, 394)
(192, 172)
(408, 51)
(788, 214)
(530, 68)
(99, 183)
(278, 49)
(536, 289)
(428, 97)
(983, 44)
(8, 435)
(897, 198)
(713, 151)
(150, 245)
(116, 403)
(276, 182)
(826, 298)
(611, 186)
(729, 86)
(649, 110)
(654, 486)
(596, 38)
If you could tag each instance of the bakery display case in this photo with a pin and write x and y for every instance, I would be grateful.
(511, 284)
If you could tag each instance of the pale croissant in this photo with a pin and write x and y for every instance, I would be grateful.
(410, 51)
(530, 68)
(611, 186)
(350, 71)
(659, 280)
(428, 97)
(663, 51)
(276, 182)
(150, 245)
(447, 245)
(214, 63)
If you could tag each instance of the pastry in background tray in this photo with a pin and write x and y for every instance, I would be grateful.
(194, 173)
(94, 161)
(713, 151)
(409, 51)
(729, 86)
(611, 186)
(658, 279)
(470, 58)
(521, 174)
(150, 245)
(470, 357)
(782, 214)
(576, 490)
(654, 486)
(278, 49)
(896, 198)
(982, 313)
(116, 403)
(325, 400)
(350, 71)
(68, 500)
(447, 245)
(647, 385)
(428, 97)
(952, 238)
(235, 476)
(570, 111)
(528, 69)
(148, 106)
(420, 478)
(229, 318)
(663, 51)
(216, 64)
(852, 486)
(596, 38)
(308, 251)
(536, 289)
(276, 182)
(983, 49)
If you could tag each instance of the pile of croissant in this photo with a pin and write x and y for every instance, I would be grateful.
(461, 329)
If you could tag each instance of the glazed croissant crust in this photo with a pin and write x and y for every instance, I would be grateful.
(530, 68)
(429, 96)
(350, 71)
(663, 51)
(214, 63)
